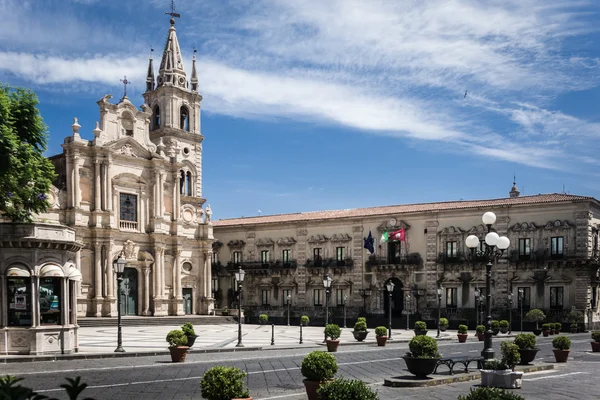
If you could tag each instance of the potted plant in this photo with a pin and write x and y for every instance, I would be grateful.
(573, 328)
(360, 329)
(552, 328)
(502, 373)
(177, 345)
(225, 312)
(557, 328)
(503, 324)
(462, 333)
(546, 329)
(596, 341)
(495, 327)
(332, 332)
(304, 320)
(527, 349)
(347, 389)
(480, 332)
(489, 393)
(423, 356)
(443, 324)
(420, 328)
(562, 347)
(536, 315)
(575, 317)
(381, 335)
(317, 368)
(221, 383)
(263, 319)
(188, 329)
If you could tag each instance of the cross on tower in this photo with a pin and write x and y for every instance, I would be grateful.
(125, 83)
(173, 14)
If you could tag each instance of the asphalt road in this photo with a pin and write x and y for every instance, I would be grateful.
(275, 374)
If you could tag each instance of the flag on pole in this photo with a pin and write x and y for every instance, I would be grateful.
(384, 237)
(369, 243)
(399, 235)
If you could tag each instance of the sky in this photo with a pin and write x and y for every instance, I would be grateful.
(317, 105)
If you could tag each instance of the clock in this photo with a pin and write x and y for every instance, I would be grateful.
(392, 221)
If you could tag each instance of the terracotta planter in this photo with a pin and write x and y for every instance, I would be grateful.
(527, 355)
(480, 336)
(311, 388)
(557, 331)
(596, 347)
(360, 335)
(381, 340)
(462, 337)
(551, 332)
(178, 353)
(561, 356)
(546, 333)
(332, 345)
(420, 367)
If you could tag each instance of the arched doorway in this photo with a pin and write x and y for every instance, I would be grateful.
(397, 303)
(129, 292)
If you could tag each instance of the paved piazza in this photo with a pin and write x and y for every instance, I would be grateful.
(274, 371)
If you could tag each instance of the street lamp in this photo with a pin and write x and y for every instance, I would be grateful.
(326, 285)
(520, 291)
(289, 301)
(510, 295)
(239, 277)
(119, 266)
(495, 246)
(345, 300)
(390, 289)
(439, 294)
(477, 294)
(407, 310)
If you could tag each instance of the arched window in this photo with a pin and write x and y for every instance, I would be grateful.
(188, 183)
(127, 123)
(156, 118)
(184, 119)
(182, 182)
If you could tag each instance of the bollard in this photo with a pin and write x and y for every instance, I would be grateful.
(300, 333)
(272, 334)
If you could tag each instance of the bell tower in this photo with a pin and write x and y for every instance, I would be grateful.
(175, 106)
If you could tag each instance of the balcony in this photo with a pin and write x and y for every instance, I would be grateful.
(411, 259)
(262, 265)
(131, 226)
(459, 258)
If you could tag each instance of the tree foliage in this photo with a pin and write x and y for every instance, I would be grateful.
(25, 174)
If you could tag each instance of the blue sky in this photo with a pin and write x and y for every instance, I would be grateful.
(312, 105)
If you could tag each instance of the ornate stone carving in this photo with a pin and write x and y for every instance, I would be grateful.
(208, 213)
(130, 250)
(387, 227)
(286, 241)
(145, 256)
(524, 227)
(302, 232)
(557, 225)
(188, 214)
(318, 239)
(236, 244)
(451, 230)
(216, 246)
(251, 235)
(341, 237)
(265, 242)
(127, 150)
(583, 215)
(479, 230)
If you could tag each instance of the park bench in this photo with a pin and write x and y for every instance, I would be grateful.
(450, 362)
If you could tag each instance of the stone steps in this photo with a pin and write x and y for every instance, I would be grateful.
(156, 321)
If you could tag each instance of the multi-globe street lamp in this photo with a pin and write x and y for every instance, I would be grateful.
(289, 301)
(520, 291)
(477, 294)
(119, 266)
(407, 310)
(439, 295)
(510, 295)
(326, 285)
(494, 247)
(390, 289)
(239, 277)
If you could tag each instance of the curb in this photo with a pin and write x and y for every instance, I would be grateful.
(411, 382)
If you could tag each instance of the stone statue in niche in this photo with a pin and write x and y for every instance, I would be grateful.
(208, 213)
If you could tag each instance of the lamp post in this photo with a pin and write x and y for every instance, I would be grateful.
(239, 277)
(477, 294)
(439, 294)
(407, 310)
(390, 289)
(520, 291)
(510, 295)
(345, 300)
(215, 289)
(119, 266)
(326, 285)
(494, 248)
(289, 301)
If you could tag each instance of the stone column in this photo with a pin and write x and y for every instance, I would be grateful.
(66, 298)
(77, 192)
(35, 301)
(175, 198)
(110, 275)
(208, 275)
(98, 278)
(161, 194)
(3, 315)
(69, 173)
(177, 267)
(142, 216)
(146, 278)
(97, 201)
(109, 206)
(156, 195)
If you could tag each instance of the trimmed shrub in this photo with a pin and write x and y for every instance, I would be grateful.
(503, 324)
(525, 341)
(596, 336)
(463, 329)
(443, 321)
(557, 326)
(188, 329)
(360, 326)
(561, 343)
(423, 347)
(420, 325)
(304, 320)
(546, 327)
(319, 366)
(381, 331)
(480, 329)
(536, 315)
(333, 331)
(489, 393)
(263, 318)
(575, 317)
(495, 324)
(494, 364)
(361, 319)
(510, 354)
(223, 383)
(346, 389)
(176, 338)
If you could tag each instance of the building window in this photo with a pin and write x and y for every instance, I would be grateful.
(265, 296)
(339, 253)
(285, 293)
(339, 296)
(50, 299)
(184, 119)
(264, 256)
(285, 256)
(557, 246)
(526, 297)
(188, 184)
(215, 258)
(128, 211)
(451, 250)
(236, 257)
(156, 118)
(556, 297)
(451, 297)
(318, 297)
(524, 249)
(317, 255)
(19, 301)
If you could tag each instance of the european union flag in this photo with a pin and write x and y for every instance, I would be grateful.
(369, 243)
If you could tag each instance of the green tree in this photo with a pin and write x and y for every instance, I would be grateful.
(25, 174)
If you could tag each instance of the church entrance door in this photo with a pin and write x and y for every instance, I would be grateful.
(187, 300)
(129, 292)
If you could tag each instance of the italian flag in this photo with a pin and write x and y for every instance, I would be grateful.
(385, 237)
